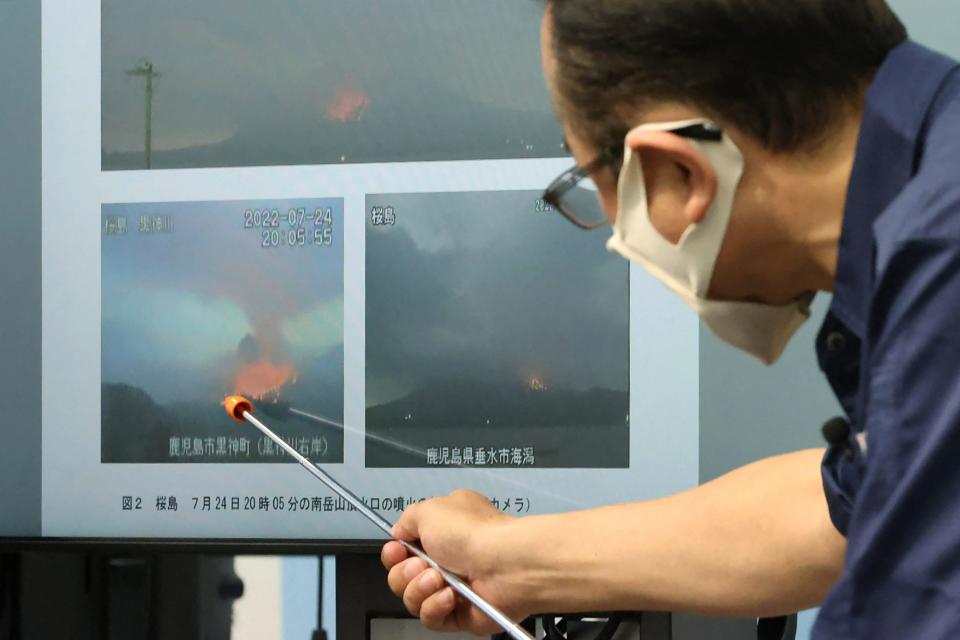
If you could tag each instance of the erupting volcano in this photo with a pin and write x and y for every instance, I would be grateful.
(348, 104)
(260, 373)
(262, 379)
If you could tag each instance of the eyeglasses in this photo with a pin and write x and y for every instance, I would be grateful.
(575, 195)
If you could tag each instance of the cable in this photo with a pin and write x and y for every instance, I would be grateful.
(3, 594)
(9, 614)
(554, 631)
(781, 628)
(150, 589)
(320, 633)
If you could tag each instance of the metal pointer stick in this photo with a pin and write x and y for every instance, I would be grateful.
(241, 409)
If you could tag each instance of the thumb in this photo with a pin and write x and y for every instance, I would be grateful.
(408, 526)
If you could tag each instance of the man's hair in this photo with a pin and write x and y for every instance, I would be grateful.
(782, 71)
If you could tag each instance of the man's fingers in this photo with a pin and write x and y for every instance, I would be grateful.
(392, 554)
(420, 588)
(408, 526)
(475, 621)
(436, 612)
(402, 573)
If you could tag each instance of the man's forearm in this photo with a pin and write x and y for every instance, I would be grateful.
(755, 542)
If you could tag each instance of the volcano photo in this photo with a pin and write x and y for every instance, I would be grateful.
(496, 335)
(237, 83)
(202, 300)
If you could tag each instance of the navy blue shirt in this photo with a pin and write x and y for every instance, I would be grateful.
(890, 347)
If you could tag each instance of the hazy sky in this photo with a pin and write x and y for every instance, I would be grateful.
(249, 69)
(175, 307)
(480, 284)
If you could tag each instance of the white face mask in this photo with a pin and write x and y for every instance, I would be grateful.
(687, 267)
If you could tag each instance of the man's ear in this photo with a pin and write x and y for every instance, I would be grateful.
(681, 183)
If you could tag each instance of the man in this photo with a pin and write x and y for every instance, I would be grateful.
(750, 154)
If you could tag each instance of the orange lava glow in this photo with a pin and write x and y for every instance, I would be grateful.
(347, 104)
(263, 378)
(536, 384)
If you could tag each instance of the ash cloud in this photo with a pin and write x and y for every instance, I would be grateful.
(183, 311)
(480, 286)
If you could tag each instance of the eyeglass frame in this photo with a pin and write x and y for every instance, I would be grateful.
(610, 157)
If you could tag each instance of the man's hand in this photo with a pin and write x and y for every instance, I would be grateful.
(462, 532)
(757, 542)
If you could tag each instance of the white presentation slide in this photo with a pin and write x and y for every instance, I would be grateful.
(333, 209)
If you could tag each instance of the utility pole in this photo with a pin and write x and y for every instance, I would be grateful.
(146, 70)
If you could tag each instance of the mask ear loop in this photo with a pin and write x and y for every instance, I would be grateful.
(727, 161)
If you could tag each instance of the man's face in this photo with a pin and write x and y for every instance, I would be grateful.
(583, 152)
(766, 242)
(667, 168)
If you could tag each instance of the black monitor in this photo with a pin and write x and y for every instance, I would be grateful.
(334, 209)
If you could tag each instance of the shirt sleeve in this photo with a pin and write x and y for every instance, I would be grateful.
(904, 529)
(841, 480)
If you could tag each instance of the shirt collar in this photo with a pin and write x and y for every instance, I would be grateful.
(888, 151)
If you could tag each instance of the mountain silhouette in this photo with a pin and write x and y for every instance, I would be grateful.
(130, 422)
(431, 123)
(513, 405)
(136, 429)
